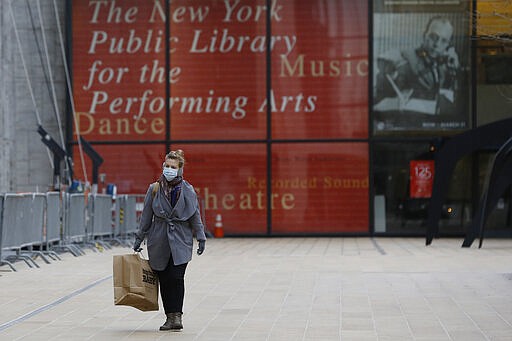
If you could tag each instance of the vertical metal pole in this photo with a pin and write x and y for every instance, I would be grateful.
(167, 77)
(371, 194)
(474, 45)
(69, 114)
(476, 158)
(269, 117)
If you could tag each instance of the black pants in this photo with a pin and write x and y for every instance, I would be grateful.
(172, 286)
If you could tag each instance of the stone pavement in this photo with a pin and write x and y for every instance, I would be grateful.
(280, 289)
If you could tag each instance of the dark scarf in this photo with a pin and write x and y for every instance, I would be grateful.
(172, 189)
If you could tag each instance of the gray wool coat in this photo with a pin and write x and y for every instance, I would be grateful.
(170, 229)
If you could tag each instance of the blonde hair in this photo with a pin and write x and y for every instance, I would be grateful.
(176, 155)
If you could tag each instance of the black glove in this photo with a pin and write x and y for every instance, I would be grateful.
(200, 248)
(136, 245)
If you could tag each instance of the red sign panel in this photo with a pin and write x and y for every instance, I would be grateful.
(319, 188)
(421, 178)
(130, 167)
(119, 70)
(221, 174)
(219, 78)
(320, 83)
(218, 69)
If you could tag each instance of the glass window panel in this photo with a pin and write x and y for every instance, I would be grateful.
(320, 81)
(320, 188)
(499, 219)
(494, 58)
(399, 208)
(118, 70)
(493, 102)
(222, 57)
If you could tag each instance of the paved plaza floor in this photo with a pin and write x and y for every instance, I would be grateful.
(279, 289)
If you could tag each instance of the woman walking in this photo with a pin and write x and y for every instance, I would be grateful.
(170, 218)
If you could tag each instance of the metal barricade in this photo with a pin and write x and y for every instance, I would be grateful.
(117, 215)
(100, 219)
(134, 203)
(16, 216)
(53, 219)
(75, 217)
(39, 224)
(118, 209)
(75, 232)
(32, 225)
(125, 219)
(52, 227)
(2, 260)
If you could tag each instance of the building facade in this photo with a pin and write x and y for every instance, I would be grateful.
(296, 117)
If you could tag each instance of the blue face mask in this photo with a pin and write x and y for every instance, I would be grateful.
(170, 173)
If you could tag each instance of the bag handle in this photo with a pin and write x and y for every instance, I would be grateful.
(140, 253)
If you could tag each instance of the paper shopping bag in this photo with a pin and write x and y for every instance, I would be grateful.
(135, 284)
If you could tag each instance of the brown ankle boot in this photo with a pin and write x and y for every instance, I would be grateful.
(173, 322)
(168, 322)
(176, 323)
